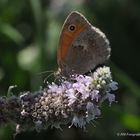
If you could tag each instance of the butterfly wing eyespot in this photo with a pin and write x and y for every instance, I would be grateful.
(72, 27)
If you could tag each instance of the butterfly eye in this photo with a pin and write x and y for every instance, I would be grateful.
(72, 28)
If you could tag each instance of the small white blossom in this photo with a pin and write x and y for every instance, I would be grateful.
(71, 96)
(113, 85)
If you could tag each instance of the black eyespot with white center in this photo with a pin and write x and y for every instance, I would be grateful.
(72, 27)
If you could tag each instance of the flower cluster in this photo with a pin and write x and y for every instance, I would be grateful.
(74, 102)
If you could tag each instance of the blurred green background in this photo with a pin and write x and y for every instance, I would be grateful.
(29, 34)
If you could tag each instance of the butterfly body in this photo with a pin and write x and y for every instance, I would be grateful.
(82, 47)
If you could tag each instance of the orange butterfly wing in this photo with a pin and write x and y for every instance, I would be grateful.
(66, 39)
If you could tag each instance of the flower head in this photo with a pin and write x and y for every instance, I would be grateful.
(76, 101)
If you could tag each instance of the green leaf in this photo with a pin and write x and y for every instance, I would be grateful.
(11, 33)
(131, 121)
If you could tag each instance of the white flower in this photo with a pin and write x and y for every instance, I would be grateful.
(113, 85)
(78, 121)
(95, 95)
(71, 96)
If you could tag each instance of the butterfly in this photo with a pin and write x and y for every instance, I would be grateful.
(82, 47)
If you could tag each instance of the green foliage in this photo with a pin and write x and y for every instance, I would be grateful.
(29, 34)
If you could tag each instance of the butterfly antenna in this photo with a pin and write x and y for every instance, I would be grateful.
(56, 78)
(45, 80)
(44, 72)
